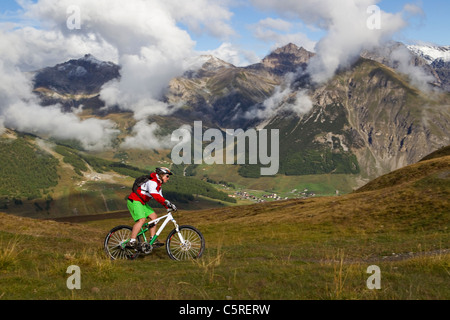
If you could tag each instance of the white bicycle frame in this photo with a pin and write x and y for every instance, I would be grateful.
(168, 218)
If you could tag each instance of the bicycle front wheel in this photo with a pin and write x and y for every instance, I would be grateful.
(113, 244)
(193, 245)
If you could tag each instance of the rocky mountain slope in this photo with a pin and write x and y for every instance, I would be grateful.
(75, 82)
(388, 123)
(370, 118)
(439, 60)
(214, 95)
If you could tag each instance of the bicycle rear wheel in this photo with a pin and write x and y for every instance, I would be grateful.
(113, 244)
(192, 248)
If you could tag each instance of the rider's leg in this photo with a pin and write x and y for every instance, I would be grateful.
(153, 216)
(139, 212)
(137, 227)
(157, 243)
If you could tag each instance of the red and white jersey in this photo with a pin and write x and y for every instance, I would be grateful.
(149, 190)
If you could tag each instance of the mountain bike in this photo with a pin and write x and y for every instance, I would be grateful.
(182, 243)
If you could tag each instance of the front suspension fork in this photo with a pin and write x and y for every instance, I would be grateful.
(177, 228)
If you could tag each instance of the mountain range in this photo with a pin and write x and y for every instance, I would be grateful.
(369, 119)
(75, 82)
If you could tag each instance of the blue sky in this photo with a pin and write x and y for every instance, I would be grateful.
(433, 27)
(429, 27)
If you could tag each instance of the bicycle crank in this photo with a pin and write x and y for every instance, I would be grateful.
(145, 248)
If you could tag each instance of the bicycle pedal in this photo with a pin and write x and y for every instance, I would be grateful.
(130, 245)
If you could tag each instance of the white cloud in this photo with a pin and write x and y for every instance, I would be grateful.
(149, 44)
(283, 99)
(144, 77)
(94, 134)
(30, 49)
(2, 125)
(19, 107)
(144, 137)
(417, 75)
(277, 24)
(413, 9)
(20, 110)
(302, 103)
(346, 24)
(203, 16)
(279, 33)
(347, 34)
(233, 54)
(272, 104)
(143, 36)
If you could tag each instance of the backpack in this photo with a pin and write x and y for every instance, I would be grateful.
(138, 182)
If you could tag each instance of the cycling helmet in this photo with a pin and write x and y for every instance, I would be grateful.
(163, 170)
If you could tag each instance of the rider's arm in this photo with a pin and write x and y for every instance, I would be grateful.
(157, 195)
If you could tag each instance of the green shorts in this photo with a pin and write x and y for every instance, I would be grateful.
(138, 210)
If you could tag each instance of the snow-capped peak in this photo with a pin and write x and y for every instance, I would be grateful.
(431, 53)
(91, 59)
(207, 61)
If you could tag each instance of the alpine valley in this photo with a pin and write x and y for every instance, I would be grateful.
(371, 118)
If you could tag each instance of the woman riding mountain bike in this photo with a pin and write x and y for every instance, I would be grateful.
(125, 242)
(137, 202)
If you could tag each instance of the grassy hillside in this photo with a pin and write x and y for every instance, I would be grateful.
(445, 151)
(432, 173)
(44, 180)
(64, 181)
(318, 248)
(26, 170)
